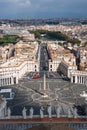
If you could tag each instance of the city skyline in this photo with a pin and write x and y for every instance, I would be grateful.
(43, 9)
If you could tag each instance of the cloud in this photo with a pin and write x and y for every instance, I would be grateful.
(16, 3)
(43, 8)
(24, 3)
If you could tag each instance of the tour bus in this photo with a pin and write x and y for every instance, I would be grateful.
(7, 93)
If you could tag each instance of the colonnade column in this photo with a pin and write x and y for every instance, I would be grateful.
(12, 81)
(75, 78)
(8, 81)
(78, 79)
(0, 82)
(71, 79)
(3, 81)
(84, 80)
(81, 79)
(16, 80)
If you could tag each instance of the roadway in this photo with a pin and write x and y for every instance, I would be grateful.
(44, 59)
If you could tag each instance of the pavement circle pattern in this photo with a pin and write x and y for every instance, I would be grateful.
(39, 98)
(58, 91)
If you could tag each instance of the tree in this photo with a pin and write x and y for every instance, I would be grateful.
(74, 41)
(37, 34)
(85, 44)
(8, 39)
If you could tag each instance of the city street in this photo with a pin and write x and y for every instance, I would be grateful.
(44, 59)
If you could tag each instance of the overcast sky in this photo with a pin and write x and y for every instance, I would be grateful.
(43, 8)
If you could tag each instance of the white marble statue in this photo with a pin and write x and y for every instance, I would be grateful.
(49, 110)
(58, 109)
(75, 113)
(24, 112)
(31, 112)
(69, 113)
(9, 113)
(41, 113)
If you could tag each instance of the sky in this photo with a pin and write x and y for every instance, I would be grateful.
(43, 9)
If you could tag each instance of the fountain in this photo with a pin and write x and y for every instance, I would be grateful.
(84, 95)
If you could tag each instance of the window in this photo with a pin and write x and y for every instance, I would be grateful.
(73, 79)
(82, 80)
(10, 80)
(50, 66)
(14, 80)
(50, 69)
(77, 79)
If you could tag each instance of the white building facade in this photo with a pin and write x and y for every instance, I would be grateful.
(53, 65)
(11, 74)
(67, 69)
(79, 77)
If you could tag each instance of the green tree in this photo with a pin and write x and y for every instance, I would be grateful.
(9, 39)
(85, 44)
(37, 34)
(74, 41)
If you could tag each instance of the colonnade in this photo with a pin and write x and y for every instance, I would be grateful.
(4, 81)
(80, 79)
